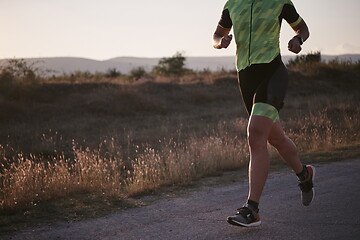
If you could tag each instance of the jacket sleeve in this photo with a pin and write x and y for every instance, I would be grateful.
(290, 14)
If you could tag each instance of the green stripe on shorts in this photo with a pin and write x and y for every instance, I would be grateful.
(265, 110)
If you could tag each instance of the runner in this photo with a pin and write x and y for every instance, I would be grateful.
(263, 81)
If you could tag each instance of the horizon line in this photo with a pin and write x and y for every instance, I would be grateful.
(138, 57)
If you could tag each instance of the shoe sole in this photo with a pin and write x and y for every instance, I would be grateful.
(240, 224)
(312, 179)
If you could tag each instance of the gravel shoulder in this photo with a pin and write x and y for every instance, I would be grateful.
(201, 214)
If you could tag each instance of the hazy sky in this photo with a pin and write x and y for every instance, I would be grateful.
(102, 29)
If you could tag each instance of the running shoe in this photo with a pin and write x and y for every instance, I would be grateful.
(245, 217)
(307, 186)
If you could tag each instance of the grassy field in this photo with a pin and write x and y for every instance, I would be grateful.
(90, 141)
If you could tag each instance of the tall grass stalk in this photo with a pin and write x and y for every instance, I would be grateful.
(26, 180)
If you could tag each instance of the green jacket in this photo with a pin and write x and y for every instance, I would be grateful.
(256, 26)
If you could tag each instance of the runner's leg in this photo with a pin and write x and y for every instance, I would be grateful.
(254, 87)
(258, 132)
(285, 146)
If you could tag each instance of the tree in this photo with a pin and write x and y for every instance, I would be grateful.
(137, 73)
(112, 73)
(172, 66)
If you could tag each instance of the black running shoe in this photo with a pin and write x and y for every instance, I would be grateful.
(307, 187)
(245, 217)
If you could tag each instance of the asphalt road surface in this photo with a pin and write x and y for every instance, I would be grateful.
(335, 213)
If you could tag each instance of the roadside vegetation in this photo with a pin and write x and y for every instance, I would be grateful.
(115, 136)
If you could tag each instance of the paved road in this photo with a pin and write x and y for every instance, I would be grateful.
(335, 214)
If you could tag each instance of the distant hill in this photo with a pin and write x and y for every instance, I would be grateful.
(61, 65)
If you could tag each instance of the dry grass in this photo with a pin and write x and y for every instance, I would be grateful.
(28, 180)
(152, 133)
(183, 163)
(320, 131)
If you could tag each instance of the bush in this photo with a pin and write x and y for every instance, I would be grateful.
(15, 74)
(112, 73)
(357, 66)
(312, 65)
(172, 66)
(312, 57)
(137, 73)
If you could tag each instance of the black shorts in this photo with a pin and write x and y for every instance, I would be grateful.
(265, 83)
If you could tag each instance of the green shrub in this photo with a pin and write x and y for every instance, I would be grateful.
(17, 73)
(112, 73)
(312, 57)
(357, 66)
(172, 66)
(137, 73)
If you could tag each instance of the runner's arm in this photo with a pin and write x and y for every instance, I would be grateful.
(290, 14)
(221, 37)
(302, 34)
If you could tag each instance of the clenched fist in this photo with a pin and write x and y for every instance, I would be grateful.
(225, 41)
(295, 45)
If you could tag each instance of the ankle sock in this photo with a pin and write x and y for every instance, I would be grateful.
(253, 204)
(304, 173)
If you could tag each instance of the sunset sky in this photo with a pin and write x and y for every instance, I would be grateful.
(154, 28)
